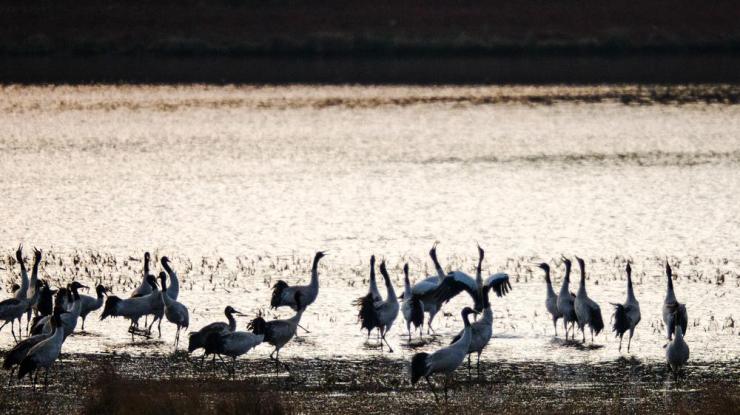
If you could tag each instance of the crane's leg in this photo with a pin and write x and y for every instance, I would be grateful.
(304, 329)
(629, 342)
(28, 321)
(390, 349)
(468, 365)
(620, 343)
(555, 326)
(592, 333)
(445, 384)
(431, 388)
(34, 377)
(430, 330)
(583, 332)
(159, 328)
(46, 379)
(565, 327)
(477, 365)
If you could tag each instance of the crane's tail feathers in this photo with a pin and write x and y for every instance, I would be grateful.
(597, 322)
(258, 325)
(111, 304)
(418, 367)
(277, 293)
(367, 315)
(27, 366)
(417, 312)
(621, 320)
(196, 340)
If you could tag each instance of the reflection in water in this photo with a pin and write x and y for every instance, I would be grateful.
(242, 185)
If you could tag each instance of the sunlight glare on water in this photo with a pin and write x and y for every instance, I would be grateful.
(265, 176)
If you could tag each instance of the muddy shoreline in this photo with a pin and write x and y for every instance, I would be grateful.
(380, 385)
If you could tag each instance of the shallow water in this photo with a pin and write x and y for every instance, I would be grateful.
(261, 178)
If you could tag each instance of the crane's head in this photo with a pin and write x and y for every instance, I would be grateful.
(152, 281)
(481, 253)
(567, 262)
(628, 268)
(147, 256)
(543, 266)
(76, 286)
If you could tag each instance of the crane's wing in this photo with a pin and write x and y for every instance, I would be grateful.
(499, 283)
(453, 284)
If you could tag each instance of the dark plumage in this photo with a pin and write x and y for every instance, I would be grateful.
(597, 322)
(109, 310)
(418, 366)
(260, 326)
(367, 315)
(621, 320)
(277, 293)
(417, 312)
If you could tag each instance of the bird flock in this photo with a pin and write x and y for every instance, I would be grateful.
(52, 315)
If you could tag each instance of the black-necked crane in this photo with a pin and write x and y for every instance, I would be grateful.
(14, 308)
(412, 307)
(445, 360)
(284, 294)
(173, 289)
(673, 311)
(279, 332)
(90, 304)
(677, 351)
(34, 287)
(45, 353)
(457, 281)
(551, 301)
(566, 302)
(627, 315)
(380, 314)
(133, 309)
(197, 339)
(175, 312)
(587, 311)
(232, 344)
(482, 329)
(366, 315)
(69, 318)
(423, 290)
(145, 287)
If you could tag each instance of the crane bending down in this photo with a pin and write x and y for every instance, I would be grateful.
(627, 315)
(587, 311)
(481, 330)
(232, 344)
(674, 313)
(380, 314)
(551, 301)
(445, 360)
(677, 351)
(411, 307)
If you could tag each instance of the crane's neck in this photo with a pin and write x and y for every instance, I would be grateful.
(406, 288)
(22, 292)
(35, 271)
(391, 291)
(315, 274)
(550, 291)
(373, 282)
(566, 281)
(487, 312)
(99, 292)
(670, 296)
(174, 289)
(297, 317)
(630, 290)
(440, 272)
(232, 322)
(582, 285)
(146, 267)
(678, 333)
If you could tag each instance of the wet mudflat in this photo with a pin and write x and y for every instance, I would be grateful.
(378, 385)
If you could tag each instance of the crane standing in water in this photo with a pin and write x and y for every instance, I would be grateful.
(627, 315)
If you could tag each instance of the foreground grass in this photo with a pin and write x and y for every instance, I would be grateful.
(92, 384)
